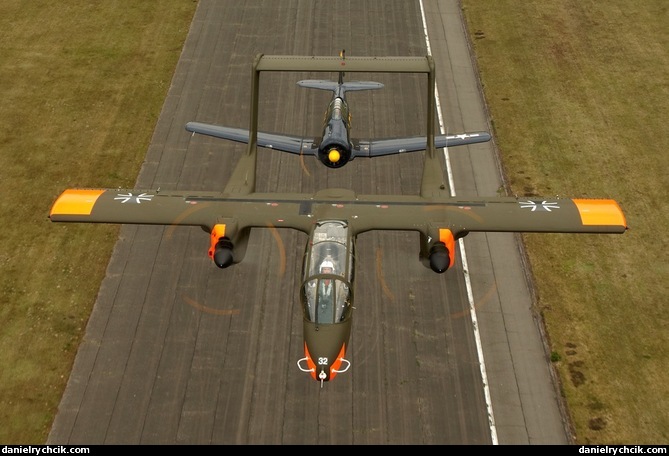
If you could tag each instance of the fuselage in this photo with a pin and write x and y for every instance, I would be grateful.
(326, 297)
(335, 148)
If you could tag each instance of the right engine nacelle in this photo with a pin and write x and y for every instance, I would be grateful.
(222, 253)
(220, 247)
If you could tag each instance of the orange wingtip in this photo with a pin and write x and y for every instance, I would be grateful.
(76, 202)
(600, 212)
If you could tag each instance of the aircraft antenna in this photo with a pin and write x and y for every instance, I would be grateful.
(342, 54)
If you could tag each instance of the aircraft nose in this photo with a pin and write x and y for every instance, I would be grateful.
(334, 155)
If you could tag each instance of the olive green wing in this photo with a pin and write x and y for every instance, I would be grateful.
(544, 215)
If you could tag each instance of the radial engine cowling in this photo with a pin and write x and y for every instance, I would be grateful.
(334, 155)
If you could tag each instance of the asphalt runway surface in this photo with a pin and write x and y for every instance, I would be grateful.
(178, 351)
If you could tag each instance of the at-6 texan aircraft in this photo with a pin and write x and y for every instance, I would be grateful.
(332, 218)
(335, 147)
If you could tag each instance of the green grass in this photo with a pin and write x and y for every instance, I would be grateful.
(578, 97)
(578, 94)
(82, 84)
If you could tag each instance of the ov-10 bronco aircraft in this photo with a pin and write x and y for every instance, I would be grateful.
(333, 218)
(335, 147)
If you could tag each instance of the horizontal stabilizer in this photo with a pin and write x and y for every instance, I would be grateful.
(345, 87)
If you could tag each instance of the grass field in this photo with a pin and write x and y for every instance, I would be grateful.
(83, 84)
(577, 92)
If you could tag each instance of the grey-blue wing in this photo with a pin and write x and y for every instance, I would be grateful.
(380, 147)
(284, 143)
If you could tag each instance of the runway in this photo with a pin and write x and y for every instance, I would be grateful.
(178, 351)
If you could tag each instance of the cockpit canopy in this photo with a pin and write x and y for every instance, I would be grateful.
(327, 300)
(328, 274)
